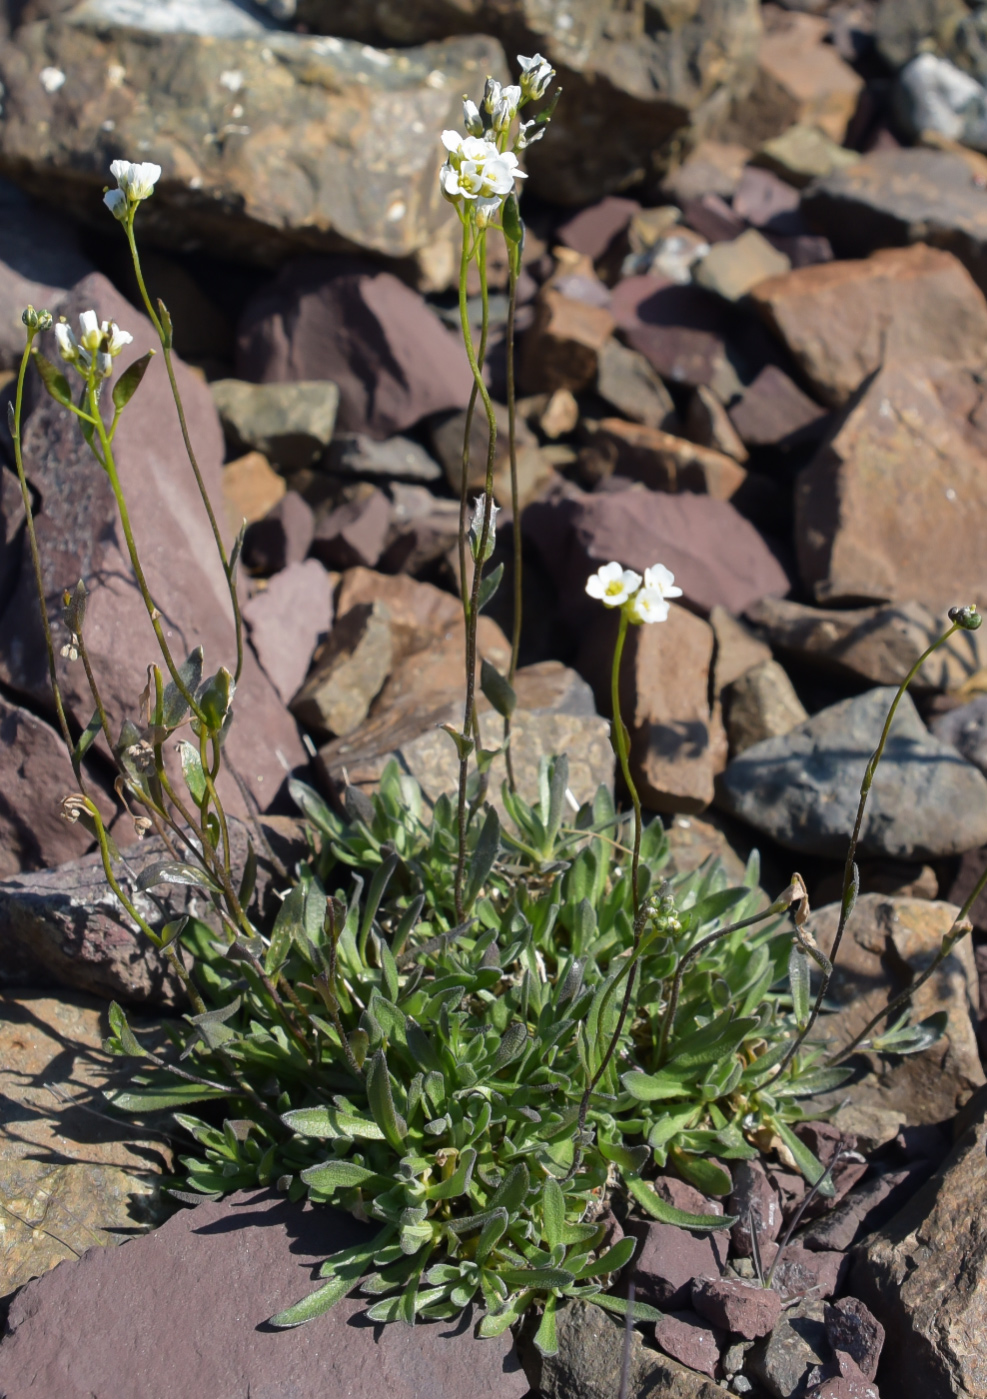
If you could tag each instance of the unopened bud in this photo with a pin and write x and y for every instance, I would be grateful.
(966, 617)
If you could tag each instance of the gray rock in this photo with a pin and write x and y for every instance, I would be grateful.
(762, 704)
(966, 729)
(924, 1277)
(802, 789)
(934, 95)
(782, 1362)
(291, 424)
(589, 1363)
(349, 673)
(803, 154)
(625, 379)
(903, 196)
(272, 141)
(214, 19)
(733, 269)
(397, 459)
(232, 1264)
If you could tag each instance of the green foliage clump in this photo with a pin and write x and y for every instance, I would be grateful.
(432, 1077)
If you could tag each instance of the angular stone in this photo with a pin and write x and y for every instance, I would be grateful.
(80, 537)
(419, 612)
(424, 529)
(799, 78)
(676, 257)
(286, 621)
(397, 459)
(592, 230)
(686, 1197)
(35, 774)
(354, 534)
(852, 1328)
(663, 462)
(753, 1195)
(711, 167)
(887, 943)
(902, 27)
(590, 1360)
(762, 704)
(881, 644)
(348, 672)
(774, 412)
(842, 320)
(291, 424)
(735, 1306)
(713, 218)
(784, 1359)
(69, 1180)
(626, 381)
(737, 651)
(233, 1263)
(692, 841)
(887, 508)
(803, 154)
(966, 729)
(733, 269)
(689, 1338)
(803, 1271)
(562, 347)
(447, 436)
(669, 1258)
(296, 165)
(924, 1277)
(40, 258)
(708, 423)
(716, 556)
(560, 415)
(865, 1209)
(281, 538)
(251, 487)
(894, 197)
(852, 1385)
(766, 201)
(348, 322)
(681, 331)
(803, 788)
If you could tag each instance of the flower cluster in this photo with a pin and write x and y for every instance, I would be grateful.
(643, 599)
(481, 167)
(97, 346)
(135, 182)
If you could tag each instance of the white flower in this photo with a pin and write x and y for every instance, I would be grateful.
(476, 528)
(68, 347)
(51, 79)
(472, 119)
(91, 333)
(477, 171)
(660, 580)
(491, 95)
(136, 181)
(104, 340)
(649, 606)
(116, 201)
(505, 108)
(529, 132)
(613, 585)
(116, 338)
(536, 74)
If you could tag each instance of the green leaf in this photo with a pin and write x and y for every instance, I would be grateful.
(483, 856)
(459, 1182)
(174, 707)
(337, 1175)
(87, 738)
(381, 1102)
(553, 1212)
(807, 1162)
(497, 689)
(654, 1088)
(512, 1191)
(912, 1039)
(130, 381)
(546, 1337)
(632, 1159)
(123, 1033)
(53, 379)
(288, 926)
(798, 980)
(489, 584)
(174, 872)
(314, 809)
(215, 697)
(511, 220)
(706, 1176)
(378, 887)
(491, 1233)
(464, 745)
(166, 1097)
(657, 1208)
(642, 1312)
(537, 1277)
(612, 1261)
(316, 1302)
(195, 778)
(328, 1124)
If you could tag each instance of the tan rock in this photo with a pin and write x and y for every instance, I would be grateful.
(800, 78)
(711, 167)
(692, 841)
(737, 650)
(924, 1276)
(762, 704)
(708, 424)
(251, 487)
(418, 611)
(666, 709)
(67, 1181)
(664, 462)
(887, 943)
(803, 154)
(890, 507)
(879, 643)
(561, 414)
(562, 347)
(447, 443)
(732, 269)
(347, 672)
(841, 320)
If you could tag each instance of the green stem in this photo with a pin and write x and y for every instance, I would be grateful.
(514, 259)
(166, 348)
(849, 868)
(39, 581)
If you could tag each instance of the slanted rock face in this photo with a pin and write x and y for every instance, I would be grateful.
(271, 143)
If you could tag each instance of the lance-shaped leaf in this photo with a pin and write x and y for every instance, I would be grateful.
(87, 738)
(337, 1175)
(174, 872)
(288, 925)
(488, 587)
(912, 1039)
(123, 1034)
(798, 981)
(53, 379)
(175, 707)
(130, 381)
(658, 1209)
(497, 689)
(195, 778)
(459, 1182)
(553, 1212)
(381, 1101)
(483, 856)
(331, 1123)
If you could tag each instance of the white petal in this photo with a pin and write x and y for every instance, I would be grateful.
(452, 140)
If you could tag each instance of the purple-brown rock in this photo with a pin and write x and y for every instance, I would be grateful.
(691, 1339)
(742, 1308)
(805, 1271)
(853, 1329)
(281, 538)
(669, 1258)
(286, 620)
(347, 321)
(680, 330)
(354, 535)
(756, 1201)
(774, 412)
(185, 1310)
(592, 230)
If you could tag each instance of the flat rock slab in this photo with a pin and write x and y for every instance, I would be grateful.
(924, 1277)
(275, 143)
(802, 789)
(194, 1298)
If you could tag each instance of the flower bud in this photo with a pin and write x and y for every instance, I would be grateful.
(966, 617)
(30, 318)
(491, 95)
(472, 119)
(536, 75)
